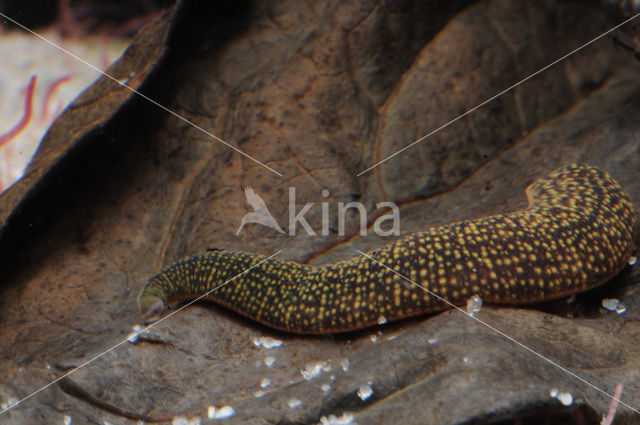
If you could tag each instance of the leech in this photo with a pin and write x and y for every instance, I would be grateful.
(578, 231)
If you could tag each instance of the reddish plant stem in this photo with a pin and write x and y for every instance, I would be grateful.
(613, 407)
(49, 94)
(26, 116)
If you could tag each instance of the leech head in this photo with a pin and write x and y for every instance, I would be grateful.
(150, 307)
(168, 285)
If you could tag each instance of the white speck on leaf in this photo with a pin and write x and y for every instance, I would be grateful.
(224, 412)
(565, 398)
(267, 342)
(474, 305)
(135, 333)
(610, 303)
(10, 402)
(344, 419)
(294, 402)
(311, 370)
(365, 391)
(180, 420)
(344, 364)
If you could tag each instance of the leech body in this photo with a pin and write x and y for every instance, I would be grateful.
(578, 231)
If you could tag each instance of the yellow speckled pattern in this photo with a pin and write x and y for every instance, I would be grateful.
(578, 231)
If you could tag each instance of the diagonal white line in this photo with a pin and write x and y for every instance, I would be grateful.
(616, 399)
(498, 95)
(164, 108)
(137, 333)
